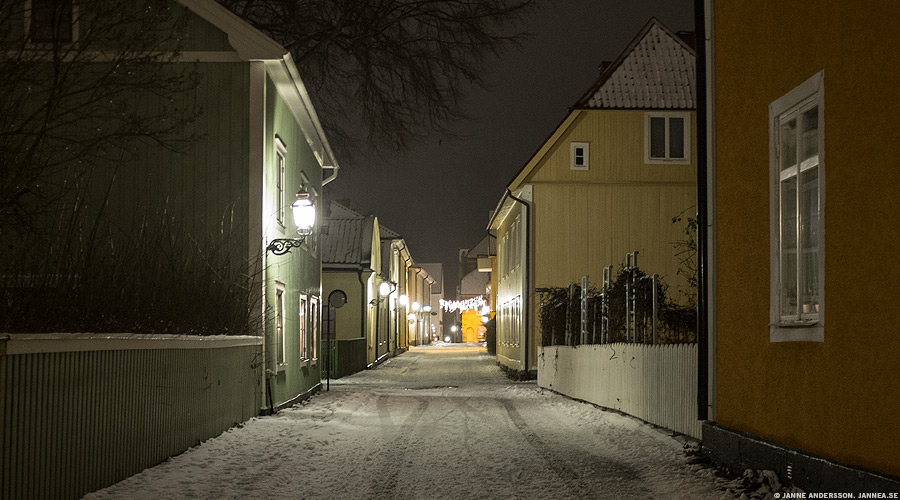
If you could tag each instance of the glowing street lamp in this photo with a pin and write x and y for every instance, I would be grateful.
(304, 213)
(415, 306)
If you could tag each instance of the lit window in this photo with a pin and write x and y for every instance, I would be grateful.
(51, 21)
(796, 218)
(579, 153)
(667, 137)
(279, 324)
(303, 330)
(313, 329)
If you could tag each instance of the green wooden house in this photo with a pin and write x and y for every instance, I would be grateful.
(255, 141)
(125, 399)
(262, 144)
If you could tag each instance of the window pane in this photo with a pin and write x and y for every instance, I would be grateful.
(676, 137)
(810, 136)
(788, 206)
(657, 137)
(788, 143)
(279, 327)
(51, 20)
(809, 240)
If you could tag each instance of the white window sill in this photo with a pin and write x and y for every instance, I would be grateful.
(669, 161)
(799, 333)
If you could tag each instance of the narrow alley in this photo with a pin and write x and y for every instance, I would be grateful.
(440, 422)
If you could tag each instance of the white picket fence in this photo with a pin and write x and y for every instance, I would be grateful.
(656, 383)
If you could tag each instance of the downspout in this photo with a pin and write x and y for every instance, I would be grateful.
(362, 305)
(702, 214)
(527, 273)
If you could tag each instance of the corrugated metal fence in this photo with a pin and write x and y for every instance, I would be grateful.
(656, 383)
(82, 412)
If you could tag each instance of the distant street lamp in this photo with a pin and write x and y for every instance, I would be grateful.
(304, 214)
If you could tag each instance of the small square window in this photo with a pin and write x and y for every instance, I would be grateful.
(579, 153)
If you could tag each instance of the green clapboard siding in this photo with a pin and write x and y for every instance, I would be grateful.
(300, 270)
(75, 422)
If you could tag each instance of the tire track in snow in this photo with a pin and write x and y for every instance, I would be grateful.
(389, 459)
(584, 473)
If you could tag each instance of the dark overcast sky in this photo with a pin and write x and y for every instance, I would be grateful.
(439, 194)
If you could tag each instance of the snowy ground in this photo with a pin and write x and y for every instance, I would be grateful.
(434, 423)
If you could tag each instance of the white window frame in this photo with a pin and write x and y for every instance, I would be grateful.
(585, 156)
(668, 115)
(303, 327)
(809, 326)
(28, 18)
(313, 328)
(280, 317)
(280, 178)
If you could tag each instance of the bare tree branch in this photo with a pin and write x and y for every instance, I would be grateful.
(76, 103)
(385, 72)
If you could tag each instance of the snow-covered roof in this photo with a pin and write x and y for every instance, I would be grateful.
(436, 271)
(340, 211)
(388, 233)
(349, 241)
(656, 71)
(474, 284)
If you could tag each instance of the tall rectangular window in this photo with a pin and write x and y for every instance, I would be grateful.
(280, 202)
(51, 21)
(303, 330)
(796, 213)
(313, 329)
(667, 137)
(279, 324)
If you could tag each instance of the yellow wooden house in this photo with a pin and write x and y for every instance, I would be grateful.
(607, 182)
(805, 341)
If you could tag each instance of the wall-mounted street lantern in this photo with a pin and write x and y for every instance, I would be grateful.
(304, 214)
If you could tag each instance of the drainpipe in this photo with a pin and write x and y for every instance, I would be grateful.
(703, 360)
(527, 272)
(362, 305)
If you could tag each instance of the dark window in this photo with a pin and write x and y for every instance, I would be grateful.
(657, 137)
(676, 137)
(51, 21)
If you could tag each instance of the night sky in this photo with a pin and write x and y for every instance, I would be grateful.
(439, 194)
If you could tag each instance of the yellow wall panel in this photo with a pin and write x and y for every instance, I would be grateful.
(834, 398)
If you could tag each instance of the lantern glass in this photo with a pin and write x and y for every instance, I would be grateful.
(304, 212)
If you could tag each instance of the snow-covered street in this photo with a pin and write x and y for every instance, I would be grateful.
(437, 422)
